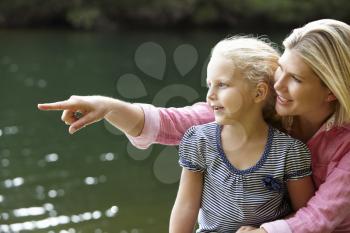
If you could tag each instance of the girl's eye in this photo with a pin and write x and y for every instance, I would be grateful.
(222, 85)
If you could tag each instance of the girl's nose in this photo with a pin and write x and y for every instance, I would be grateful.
(211, 94)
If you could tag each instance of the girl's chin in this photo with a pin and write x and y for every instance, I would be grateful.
(226, 121)
(220, 121)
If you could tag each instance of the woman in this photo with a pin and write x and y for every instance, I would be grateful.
(313, 95)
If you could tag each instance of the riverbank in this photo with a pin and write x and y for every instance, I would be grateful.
(112, 15)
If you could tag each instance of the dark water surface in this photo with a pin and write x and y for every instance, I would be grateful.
(93, 181)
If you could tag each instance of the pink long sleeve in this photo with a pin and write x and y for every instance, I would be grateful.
(329, 209)
(167, 125)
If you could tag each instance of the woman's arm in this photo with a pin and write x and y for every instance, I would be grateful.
(168, 125)
(330, 205)
(326, 210)
(126, 116)
(143, 124)
(300, 191)
(185, 211)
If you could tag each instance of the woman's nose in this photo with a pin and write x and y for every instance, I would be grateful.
(279, 81)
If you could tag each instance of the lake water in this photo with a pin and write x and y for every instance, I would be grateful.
(92, 181)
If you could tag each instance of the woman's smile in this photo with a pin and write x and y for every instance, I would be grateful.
(282, 101)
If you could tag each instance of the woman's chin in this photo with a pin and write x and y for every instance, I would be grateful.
(282, 111)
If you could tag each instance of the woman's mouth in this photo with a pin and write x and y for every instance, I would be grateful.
(282, 100)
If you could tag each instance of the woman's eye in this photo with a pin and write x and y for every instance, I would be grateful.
(279, 67)
(296, 79)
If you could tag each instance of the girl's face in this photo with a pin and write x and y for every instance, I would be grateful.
(229, 93)
(299, 91)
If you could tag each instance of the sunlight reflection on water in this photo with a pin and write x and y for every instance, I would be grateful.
(108, 156)
(53, 157)
(11, 130)
(80, 177)
(26, 218)
(52, 221)
(15, 182)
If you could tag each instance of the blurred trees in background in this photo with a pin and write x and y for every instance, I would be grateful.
(112, 14)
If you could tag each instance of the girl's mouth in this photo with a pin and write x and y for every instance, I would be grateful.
(217, 108)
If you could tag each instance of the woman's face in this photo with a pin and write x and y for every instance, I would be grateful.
(299, 90)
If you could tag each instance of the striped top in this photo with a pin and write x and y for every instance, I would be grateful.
(231, 197)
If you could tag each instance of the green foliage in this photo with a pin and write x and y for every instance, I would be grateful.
(205, 13)
(85, 18)
(91, 14)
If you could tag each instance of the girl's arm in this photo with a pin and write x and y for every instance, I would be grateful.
(185, 211)
(300, 191)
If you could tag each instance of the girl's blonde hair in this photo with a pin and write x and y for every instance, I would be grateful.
(257, 60)
(324, 45)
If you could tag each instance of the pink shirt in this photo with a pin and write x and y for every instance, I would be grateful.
(327, 211)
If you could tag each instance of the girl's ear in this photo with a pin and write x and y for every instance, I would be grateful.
(261, 92)
(331, 97)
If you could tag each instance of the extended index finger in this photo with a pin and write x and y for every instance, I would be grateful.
(60, 105)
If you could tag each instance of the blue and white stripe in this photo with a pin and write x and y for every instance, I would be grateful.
(231, 197)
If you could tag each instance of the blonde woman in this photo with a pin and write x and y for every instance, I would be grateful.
(313, 94)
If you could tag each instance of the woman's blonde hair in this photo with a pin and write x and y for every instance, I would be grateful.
(257, 60)
(324, 45)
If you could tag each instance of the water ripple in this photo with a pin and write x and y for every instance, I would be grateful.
(52, 221)
(11, 130)
(108, 156)
(15, 182)
(95, 180)
(53, 157)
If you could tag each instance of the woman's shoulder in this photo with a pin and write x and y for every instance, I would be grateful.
(346, 128)
(340, 135)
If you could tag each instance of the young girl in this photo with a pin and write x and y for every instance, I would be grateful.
(239, 170)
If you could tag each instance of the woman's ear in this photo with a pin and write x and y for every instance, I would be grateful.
(261, 92)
